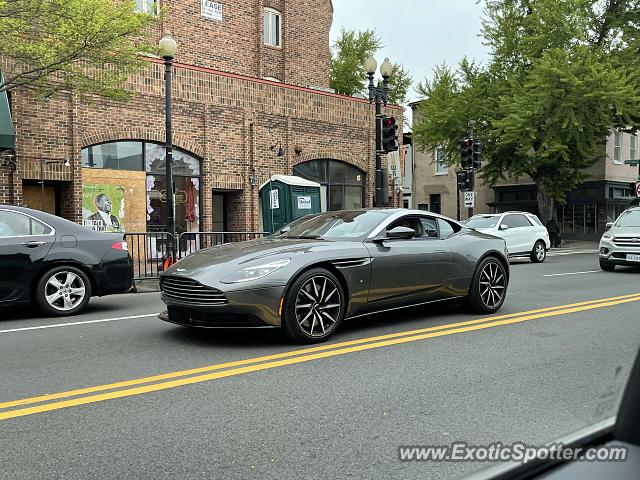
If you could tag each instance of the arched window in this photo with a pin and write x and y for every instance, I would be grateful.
(342, 184)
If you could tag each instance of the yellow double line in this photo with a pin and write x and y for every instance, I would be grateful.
(99, 393)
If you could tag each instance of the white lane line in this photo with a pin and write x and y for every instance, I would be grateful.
(570, 273)
(102, 320)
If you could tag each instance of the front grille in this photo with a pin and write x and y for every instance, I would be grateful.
(627, 241)
(189, 292)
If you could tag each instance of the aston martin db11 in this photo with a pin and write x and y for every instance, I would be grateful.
(324, 268)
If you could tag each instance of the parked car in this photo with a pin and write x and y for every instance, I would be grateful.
(326, 267)
(56, 263)
(524, 233)
(620, 244)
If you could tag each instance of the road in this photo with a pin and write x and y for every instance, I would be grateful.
(432, 376)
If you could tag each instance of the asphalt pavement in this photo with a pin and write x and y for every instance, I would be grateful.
(260, 407)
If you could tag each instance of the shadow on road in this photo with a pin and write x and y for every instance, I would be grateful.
(371, 325)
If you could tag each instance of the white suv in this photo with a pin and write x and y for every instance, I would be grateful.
(524, 233)
(620, 244)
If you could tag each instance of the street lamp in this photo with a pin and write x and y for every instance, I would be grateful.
(379, 96)
(168, 48)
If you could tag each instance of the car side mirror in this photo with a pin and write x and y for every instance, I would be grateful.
(399, 233)
(504, 227)
(608, 225)
(285, 229)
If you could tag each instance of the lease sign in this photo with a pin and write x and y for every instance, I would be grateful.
(211, 10)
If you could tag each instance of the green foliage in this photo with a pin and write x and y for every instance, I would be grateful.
(399, 84)
(348, 54)
(560, 79)
(347, 75)
(88, 46)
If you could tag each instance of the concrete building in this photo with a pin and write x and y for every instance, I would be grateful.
(249, 75)
(605, 193)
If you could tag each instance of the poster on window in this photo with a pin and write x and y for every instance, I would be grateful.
(103, 207)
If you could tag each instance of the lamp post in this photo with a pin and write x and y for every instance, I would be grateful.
(379, 96)
(168, 48)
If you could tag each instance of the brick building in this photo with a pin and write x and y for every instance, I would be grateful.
(249, 74)
(606, 192)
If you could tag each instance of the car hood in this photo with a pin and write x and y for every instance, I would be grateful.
(625, 231)
(210, 265)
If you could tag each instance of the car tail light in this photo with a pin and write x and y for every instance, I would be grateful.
(120, 246)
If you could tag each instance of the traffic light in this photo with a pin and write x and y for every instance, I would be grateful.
(477, 155)
(389, 134)
(465, 181)
(466, 153)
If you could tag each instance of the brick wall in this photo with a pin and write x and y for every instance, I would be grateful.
(227, 118)
(236, 45)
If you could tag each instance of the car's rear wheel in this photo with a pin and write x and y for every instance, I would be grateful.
(607, 266)
(314, 306)
(539, 252)
(63, 290)
(488, 287)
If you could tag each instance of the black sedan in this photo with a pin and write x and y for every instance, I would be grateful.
(327, 267)
(56, 263)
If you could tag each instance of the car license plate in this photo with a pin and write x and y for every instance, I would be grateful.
(633, 258)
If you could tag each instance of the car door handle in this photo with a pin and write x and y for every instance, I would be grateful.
(439, 251)
(33, 244)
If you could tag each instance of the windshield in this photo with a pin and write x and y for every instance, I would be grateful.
(630, 218)
(346, 225)
(482, 222)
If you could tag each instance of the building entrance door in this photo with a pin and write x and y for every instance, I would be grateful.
(219, 214)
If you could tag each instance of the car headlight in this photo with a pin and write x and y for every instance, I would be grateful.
(255, 271)
(607, 236)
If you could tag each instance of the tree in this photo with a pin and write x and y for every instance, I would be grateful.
(559, 80)
(346, 65)
(399, 84)
(347, 75)
(88, 46)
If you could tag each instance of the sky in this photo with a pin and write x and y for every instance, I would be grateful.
(420, 34)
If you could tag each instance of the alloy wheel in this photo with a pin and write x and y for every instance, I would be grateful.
(540, 251)
(492, 284)
(318, 306)
(64, 291)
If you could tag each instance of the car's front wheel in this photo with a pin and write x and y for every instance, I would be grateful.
(607, 266)
(63, 290)
(314, 306)
(488, 287)
(539, 252)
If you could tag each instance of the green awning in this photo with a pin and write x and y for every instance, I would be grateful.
(7, 133)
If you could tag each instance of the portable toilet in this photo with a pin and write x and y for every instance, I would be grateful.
(285, 198)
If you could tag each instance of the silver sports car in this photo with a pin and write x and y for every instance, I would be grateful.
(317, 271)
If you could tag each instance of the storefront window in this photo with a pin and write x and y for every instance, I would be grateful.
(342, 184)
(183, 163)
(114, 156)
(150, 157)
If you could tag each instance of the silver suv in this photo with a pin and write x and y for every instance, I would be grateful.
(620, 244)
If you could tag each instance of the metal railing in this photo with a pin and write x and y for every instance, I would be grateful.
(150, 250)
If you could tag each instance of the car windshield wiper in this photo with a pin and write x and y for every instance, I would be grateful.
(306, 237)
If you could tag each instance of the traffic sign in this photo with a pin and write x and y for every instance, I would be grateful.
(470, 199)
